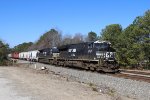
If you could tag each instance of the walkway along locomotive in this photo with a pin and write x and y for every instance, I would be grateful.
(98, 55)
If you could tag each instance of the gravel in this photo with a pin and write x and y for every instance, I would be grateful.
(106, 84)
(6, 90)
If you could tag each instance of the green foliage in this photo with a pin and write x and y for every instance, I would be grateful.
(137, 35)
(92, 36)
(22, 47)
(133, 43)
(112, 33)
(4, 49)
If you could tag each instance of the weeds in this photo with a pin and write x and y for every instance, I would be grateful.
(94, 88)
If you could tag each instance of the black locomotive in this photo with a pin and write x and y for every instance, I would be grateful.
(98, 55)
(47, 55)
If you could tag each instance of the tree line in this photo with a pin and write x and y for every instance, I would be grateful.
(132, 43)
(54, 38)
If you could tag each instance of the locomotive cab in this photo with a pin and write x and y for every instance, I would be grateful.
(55, 52)
(105, 51)
(49, 52)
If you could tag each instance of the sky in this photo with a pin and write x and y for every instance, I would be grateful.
(26, 20)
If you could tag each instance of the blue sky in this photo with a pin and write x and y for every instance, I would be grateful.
(26, 20)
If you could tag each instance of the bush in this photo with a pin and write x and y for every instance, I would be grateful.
(4, 49)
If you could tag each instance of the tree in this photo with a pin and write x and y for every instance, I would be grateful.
(78, 38)
(54, 38)
(114, 34)
(144, 23)
(22, 47)
(68, 39)
(92, 36)
(49, 39)
(4, 50)
(138, 40)
(111, 33)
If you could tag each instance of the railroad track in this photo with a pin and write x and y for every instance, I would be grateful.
(134, 75)
(136, 72)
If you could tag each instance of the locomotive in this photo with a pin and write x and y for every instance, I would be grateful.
(95, 56)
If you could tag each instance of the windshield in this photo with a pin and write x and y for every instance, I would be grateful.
(101, 45)
(54, 50)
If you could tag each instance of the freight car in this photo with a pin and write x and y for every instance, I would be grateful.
(98, 55)
(29, 55)
(33, 55)
(24, 55)
(14, 55)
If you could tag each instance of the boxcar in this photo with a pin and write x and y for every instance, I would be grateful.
(15, 55)
(33, 55)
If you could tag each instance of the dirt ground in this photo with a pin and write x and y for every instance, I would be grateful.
(35, 85)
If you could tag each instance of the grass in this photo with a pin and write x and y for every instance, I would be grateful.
(95, 89)
(93, 86)
(111, 92)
